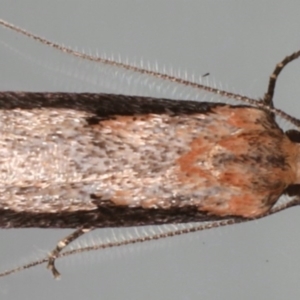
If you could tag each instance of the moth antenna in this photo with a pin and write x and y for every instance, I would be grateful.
(156, 236)
(25, 267)
(132, 67)
(112, 62)
(268, 97)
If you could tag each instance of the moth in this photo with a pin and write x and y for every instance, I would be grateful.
(85, 161)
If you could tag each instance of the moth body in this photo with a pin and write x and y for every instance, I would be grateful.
(84, 152)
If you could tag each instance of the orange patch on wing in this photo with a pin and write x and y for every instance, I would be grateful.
(119, 198)
(245, 192)
(242, 117)
(188, 161)
(246, 205)
(235, 145)
(234, 178)
(151, 203)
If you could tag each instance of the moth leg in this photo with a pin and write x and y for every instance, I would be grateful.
(61, 245)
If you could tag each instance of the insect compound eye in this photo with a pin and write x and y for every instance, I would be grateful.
(293, 135)
(292, 190)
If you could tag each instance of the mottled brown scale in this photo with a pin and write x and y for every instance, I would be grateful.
(73, 159)
(255, 183)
